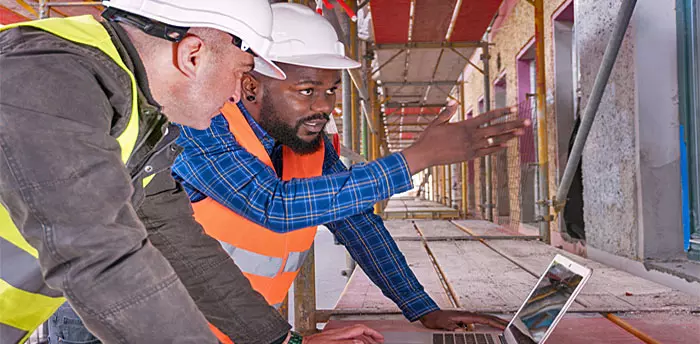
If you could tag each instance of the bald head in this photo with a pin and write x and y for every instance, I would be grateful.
(194, 77)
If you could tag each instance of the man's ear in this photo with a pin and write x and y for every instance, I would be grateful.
(251, 86)
(189, 53)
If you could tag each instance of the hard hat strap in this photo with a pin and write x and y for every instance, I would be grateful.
(241, 44)
(161, 30)
(154, 28)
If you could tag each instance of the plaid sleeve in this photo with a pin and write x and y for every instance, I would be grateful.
(371, 245)
(215, 165)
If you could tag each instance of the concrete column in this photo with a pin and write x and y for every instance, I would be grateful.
(658, 129)
(631, 172)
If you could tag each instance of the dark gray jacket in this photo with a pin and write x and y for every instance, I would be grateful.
(132, 262)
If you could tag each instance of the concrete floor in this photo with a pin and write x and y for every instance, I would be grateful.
(330, 261)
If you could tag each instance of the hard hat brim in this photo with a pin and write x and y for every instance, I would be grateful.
(271, 69)
(320, 61)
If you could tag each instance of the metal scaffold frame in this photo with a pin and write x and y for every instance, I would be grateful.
(367, 131)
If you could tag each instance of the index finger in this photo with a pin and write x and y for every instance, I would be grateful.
(486, 320)
(359, 330)
(374, 334)
(504, 127)
(491, 115)
(445, 115)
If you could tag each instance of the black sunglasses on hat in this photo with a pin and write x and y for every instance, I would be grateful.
(161, 30)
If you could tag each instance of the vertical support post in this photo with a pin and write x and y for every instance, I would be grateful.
(354, 53)
(366, 66)
(347, 114)
(441, 171)
(365, 137)
(429, 192)
(464, 165)
(376, 117)
(353, 129)
(347, 106)
(284, 308)
(427, 185)
(486, 58)
(380, 123)
(542, 145)
(441, 185)
(305, 296)
(43, 9)
(434, 183)
(448, 186)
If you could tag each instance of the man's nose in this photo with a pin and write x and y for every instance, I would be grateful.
(323, 104)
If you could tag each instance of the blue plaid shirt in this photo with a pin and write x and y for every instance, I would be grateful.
(214, 165)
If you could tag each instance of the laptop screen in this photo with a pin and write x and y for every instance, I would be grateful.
(544, 305)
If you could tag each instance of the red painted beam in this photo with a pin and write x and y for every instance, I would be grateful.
(413, 110)
(390, 20)
(7, 16)
(432, 19)
(473, 19)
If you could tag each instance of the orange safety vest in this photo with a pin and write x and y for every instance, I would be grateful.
(270, 260)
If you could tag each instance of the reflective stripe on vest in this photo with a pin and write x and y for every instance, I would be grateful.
(269, 260)
(257, 264)
(25, 301)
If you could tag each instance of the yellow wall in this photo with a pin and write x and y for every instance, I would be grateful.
(509, 39)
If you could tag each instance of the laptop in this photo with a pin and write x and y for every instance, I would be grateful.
(537, 317)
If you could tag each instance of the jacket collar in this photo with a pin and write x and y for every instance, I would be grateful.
(133, 61)
(267, 141)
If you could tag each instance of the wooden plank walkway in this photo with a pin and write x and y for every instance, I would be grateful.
(410, 208)
(491, 269)
(361, 294)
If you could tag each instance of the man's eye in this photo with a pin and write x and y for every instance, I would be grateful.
(307, 92)
(331, 91)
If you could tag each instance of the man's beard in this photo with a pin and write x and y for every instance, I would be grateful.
(286, 134)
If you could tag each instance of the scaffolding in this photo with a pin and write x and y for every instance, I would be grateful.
(385, 108)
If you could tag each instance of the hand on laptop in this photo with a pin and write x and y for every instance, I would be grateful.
(451, 320)
(443, 142)
(356, 334)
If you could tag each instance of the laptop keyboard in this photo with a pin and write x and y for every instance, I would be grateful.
(462, 338)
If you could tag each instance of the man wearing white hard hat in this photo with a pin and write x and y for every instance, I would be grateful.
(89, 212)
(263, 176)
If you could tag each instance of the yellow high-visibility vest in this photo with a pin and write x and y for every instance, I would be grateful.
(25, 300)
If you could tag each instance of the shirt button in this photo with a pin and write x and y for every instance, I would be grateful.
(148, 169)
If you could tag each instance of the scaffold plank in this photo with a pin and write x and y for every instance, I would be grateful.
(361, 293)
(608, 289)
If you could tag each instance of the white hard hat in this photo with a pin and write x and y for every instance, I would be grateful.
(302, 37)
(249, 20)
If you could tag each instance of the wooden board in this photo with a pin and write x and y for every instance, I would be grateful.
(420, 213)
(439, 228)
(401, 229)
(418, 209)
(395, 205)
(582, 329)
(361, 293)
(483, 280)
(485, 228)
(608, 289)
(666, 327)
